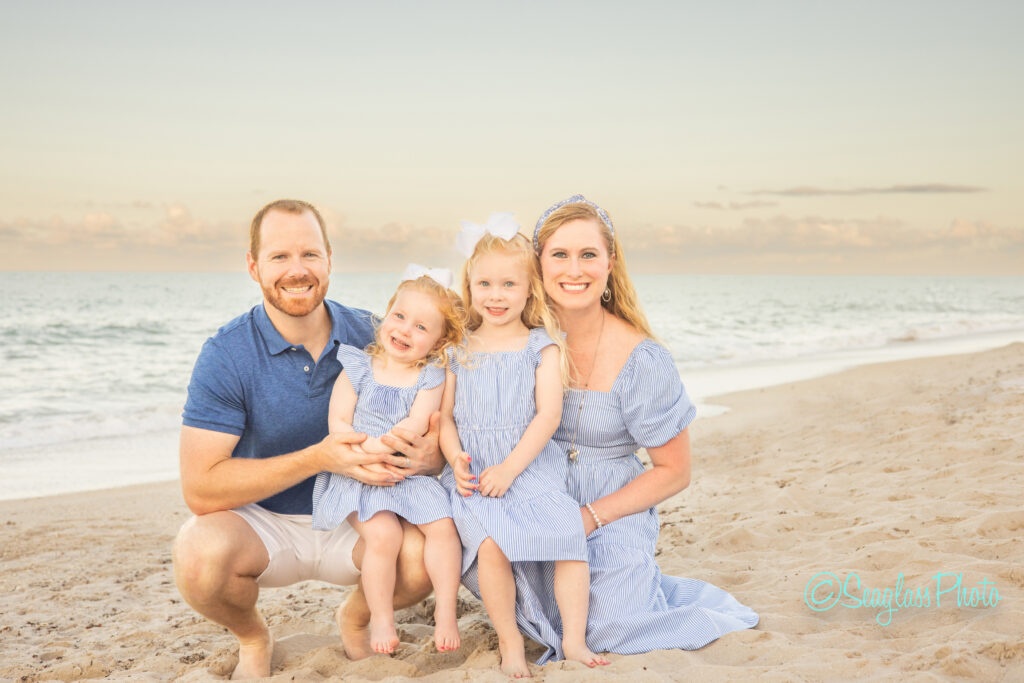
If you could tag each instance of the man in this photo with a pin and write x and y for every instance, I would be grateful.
(254, 436)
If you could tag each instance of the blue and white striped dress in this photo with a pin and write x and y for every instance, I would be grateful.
(419, 499)
(633, 607)
(494, 404)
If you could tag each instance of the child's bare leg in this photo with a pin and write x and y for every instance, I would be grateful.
(442, 554)
(572, 593)
(498, 590)
(382, 535)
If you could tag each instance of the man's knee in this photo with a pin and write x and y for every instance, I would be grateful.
(210, 550)
(412, 544)
(412, 578)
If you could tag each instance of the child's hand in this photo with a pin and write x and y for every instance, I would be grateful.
(495, 480)
(465, 481)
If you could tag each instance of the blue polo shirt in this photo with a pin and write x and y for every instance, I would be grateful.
(250, 382)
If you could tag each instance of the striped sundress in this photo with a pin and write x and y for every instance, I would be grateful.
(494, 404)
(419, 499)
(633, 607)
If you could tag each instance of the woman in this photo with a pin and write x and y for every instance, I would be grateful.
(626, 395)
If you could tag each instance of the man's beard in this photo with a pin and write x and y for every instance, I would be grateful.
(292, 307)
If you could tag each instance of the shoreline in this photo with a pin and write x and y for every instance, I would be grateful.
(903, 469)
(153, 457)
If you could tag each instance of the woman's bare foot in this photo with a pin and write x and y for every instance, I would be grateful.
(383, 636)
(355, 633)
(513, 658)
(446, 633)
(581, 653)
(254, 658)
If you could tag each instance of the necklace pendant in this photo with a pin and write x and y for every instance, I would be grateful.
(572, 453)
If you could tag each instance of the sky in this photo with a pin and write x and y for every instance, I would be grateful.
(727, 137)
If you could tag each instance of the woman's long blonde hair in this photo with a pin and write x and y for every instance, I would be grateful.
(623, 303)
(536, 313)
(449, 305)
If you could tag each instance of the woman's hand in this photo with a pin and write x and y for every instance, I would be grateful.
(589, 525)
(496, 479)
(465, 481)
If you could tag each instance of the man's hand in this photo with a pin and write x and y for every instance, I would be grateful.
(495, 480)
(465, 481)
(377, 469)
(423, 454)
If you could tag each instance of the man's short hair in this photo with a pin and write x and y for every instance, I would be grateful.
(296, 206)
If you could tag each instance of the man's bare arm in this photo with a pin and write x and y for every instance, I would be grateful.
(212, 480)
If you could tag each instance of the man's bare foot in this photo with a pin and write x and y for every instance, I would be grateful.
(254, 658)
(446, 632)
(513, 658)
(383, 636)
(581, 653)
(355, 634)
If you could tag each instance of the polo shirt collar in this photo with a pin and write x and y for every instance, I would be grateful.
(339, 328)
(277, 344)
(271, 337)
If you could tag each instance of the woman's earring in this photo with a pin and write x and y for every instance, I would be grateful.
(606, 296)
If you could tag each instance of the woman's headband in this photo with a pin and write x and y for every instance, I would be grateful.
(575, 199)
(441, 276)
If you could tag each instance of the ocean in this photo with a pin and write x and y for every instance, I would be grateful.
(95, 365)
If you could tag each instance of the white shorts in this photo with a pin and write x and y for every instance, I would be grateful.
(300, 553)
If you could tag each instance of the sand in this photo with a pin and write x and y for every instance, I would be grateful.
(914, 467)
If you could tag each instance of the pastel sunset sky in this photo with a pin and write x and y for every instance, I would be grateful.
(730, 137)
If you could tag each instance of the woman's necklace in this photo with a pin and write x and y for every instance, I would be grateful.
(573, 452)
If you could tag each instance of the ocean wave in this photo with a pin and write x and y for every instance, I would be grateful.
(110, 354)
(18, 432)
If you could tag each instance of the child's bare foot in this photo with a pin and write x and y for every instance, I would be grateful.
(383, 636)
(355, 633)
(254, 658)
(513, 658)
(446, 632)
(581, 653)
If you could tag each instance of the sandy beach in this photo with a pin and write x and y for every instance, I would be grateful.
(912, 468)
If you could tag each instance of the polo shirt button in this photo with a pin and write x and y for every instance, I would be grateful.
(294, 349)
(306, 368)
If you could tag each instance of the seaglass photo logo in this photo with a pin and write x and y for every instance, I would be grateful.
(826, 590)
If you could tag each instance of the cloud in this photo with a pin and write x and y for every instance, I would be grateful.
(140, 204)
(735, 206)
(927, 188)
(179, 240)
(392, 246)
(179, 228)
(817, 244)
(783, 233)
(176, 228)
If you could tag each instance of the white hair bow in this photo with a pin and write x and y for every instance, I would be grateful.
(500, 224)
(441, 276)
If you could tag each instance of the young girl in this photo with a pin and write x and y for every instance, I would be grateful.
(398, 382)
(502, 404)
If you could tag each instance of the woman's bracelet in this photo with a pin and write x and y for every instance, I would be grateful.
(597, 520)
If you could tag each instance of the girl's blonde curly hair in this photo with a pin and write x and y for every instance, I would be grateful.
(449, 305)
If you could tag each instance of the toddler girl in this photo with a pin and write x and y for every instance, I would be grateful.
(502, 404)
(398, 381)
